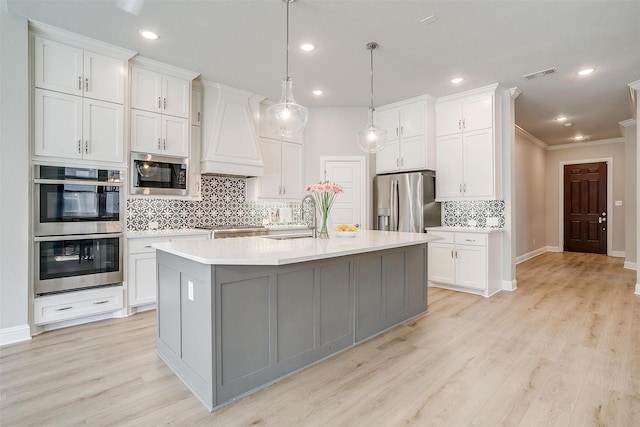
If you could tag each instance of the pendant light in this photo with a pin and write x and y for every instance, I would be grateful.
(287, 118)
(372, 139)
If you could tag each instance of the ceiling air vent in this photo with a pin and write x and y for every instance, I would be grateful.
(540, 73)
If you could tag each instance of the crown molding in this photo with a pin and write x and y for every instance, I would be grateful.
(531, 138)
(572, 145)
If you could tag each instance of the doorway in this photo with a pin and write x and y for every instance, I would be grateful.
(585, 207)
(350, 172)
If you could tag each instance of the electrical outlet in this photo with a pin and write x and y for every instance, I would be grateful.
(190, 290)
(152, 225)
(472, 223)
(618, 202)
(492, 221)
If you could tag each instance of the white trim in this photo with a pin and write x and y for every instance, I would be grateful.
(631, 265)
(553, 249)
(561, 165)
(15, 334)
(366, 190)
(637, 292)
(617, 254)
(509, 285)
(531, 138)
(572, 145)
(529, 255)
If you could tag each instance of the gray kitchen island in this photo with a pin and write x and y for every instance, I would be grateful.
(235, 315)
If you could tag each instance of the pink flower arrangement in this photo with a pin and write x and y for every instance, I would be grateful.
(324, 194)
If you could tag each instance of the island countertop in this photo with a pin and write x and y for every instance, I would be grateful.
(264, 250)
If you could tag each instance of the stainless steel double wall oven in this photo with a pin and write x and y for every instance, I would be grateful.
(78, 228)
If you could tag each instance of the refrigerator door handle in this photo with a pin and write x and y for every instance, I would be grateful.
(394, 205)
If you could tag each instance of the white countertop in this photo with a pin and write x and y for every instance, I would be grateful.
(261, 250)
(163, 233)
(484, 230)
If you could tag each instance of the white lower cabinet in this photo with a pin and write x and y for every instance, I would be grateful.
(141, 266)
(72, 305)
(465, 261)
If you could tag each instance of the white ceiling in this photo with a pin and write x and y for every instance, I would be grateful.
(241, 43)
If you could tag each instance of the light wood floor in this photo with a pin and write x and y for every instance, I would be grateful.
(564, 349)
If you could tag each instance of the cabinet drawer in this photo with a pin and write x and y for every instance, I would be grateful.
(137, 246)
(76, 304)
(471, 239)
(446, 237)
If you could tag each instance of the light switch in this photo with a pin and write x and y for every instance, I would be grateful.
(190, 290)
(618, 202)
(472, 223)
(492, 221)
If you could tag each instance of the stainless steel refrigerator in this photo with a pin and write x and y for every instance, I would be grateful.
(405, 202)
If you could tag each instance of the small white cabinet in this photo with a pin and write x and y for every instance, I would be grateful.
(68, 69)
(73, 305)
(466, 261)
(141, 265)
(283, 173)
(160, 108)
(410, 135)
(468, 146)
(72, 127)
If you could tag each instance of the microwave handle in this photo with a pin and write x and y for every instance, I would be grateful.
(78, 182)
(77, 237)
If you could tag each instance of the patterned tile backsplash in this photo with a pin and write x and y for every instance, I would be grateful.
(223, 203)
(458, 214)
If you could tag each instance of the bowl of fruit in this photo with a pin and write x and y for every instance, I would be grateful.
(346, 230)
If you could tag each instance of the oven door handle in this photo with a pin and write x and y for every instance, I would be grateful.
(78, 182)
(77, 237)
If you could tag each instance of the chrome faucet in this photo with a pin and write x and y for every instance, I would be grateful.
(313, 202)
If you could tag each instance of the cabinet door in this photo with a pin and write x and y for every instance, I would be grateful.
(196, 107)
(175, 136)
(103, 78)
(449, 166)
(58, 67)
(412, 119)
(471, 266)
(413, 153)
(270, 183)
(176, 96)
(478, 163)
(292, 159)
(388, 120)
(441, 265)
(448, 118)
(194, 162)
(142, 278)
(102, 131)
(478, 112)
(146, 132)
(388, 160)
(58, 125)
(146, 90)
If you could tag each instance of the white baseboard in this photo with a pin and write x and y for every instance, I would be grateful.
(617, 254)
(552, 249)
(509, 285)
(532, 254)
(637, 288)
(15, 334)
(631, 265)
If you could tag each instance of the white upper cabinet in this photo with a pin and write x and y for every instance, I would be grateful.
(468, 145)
(196, 105)
(155, 92)
(283, 173)
(410, 135)
(266, 131)
(72, 70)
(72, 127)
(159, 134)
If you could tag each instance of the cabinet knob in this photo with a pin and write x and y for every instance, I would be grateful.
(79, 82)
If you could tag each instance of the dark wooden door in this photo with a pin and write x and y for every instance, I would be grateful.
(585, 208)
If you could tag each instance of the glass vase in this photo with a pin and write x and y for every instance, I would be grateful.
(323, 233)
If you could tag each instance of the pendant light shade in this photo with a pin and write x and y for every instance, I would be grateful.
(287, 118)
(372, 139)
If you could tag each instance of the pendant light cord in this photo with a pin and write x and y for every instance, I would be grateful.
(371, 46)
(287, 56)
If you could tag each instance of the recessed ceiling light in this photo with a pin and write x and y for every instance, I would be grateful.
(586, 71)
(568, 125)
(457, 80)
(307, 47)
(429, 19)
(318, 92)
(561, 118)
(148, 34)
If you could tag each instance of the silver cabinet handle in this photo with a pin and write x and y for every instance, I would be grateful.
(397, 162)
(86, 147)
(456, 254)
(86, 84)
(451, 253)
(159, 102)
(159, 143)
(459, 124)
(198, 116)
(460, 188)
(464, 187)
(164, 144)
(469, 240)
(397, 133)
(165, 103)
(284, 190)
(464, 125)
(63, 308)
(79, 146)
(101, 302)
(79, 82)
(401, 130)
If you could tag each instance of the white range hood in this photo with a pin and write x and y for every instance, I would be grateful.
(229, 140)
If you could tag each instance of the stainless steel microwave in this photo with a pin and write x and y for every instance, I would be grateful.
(155, 174)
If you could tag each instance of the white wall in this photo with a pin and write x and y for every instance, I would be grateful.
(332, 132)
(531, 202)
(14, 178)
(631, 187)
